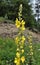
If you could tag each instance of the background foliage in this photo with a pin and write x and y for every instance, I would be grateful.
(9, 9)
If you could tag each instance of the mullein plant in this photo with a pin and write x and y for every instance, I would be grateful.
(29, 38)
(20, 39)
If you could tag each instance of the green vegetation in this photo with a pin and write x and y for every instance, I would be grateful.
(2, 19)
(37, 53)
(37, 25)
(8, 51)
(10, 9)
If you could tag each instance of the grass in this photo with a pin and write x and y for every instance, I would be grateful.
(3, 20)
(8, 51)
(37, 53)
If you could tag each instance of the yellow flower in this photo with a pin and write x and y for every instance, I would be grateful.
(22, 27)
(23, 39)
(21, 46)
(17, 23)
(18, 54)
(17, 49)
(30, 46)
(22, 50)
(22, 22)
(22, 59)
(17, 61)
(17, 40)
(29, 39)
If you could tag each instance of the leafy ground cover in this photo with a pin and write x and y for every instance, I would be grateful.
(8, 51)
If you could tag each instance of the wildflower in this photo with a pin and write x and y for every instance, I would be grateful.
(22, 22)
(22, 59)
(17, 61)
(29, 39)
(20, 39)
(30, 46)
(17, 23)
(18, 54)
(22, 50)
(17, 49)
(21, 46)
(23, 39)
(22, 28)
(17, 40)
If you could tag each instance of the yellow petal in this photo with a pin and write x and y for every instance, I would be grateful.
(30, 46)
(17, 49)
(22, 28)
(18, 54)
(17, 40)
(15, 61)
(23, 38)
(22, 59)
(17, 23)
(22, 22)
(22, 50)
(21, 46)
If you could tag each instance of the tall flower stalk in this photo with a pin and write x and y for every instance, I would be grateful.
(30, 49)
(20, 39)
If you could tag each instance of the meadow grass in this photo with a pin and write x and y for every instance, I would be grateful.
(8, 52)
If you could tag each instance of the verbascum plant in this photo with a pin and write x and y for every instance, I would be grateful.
(30, 44)
(30, 49)
(20, 39)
